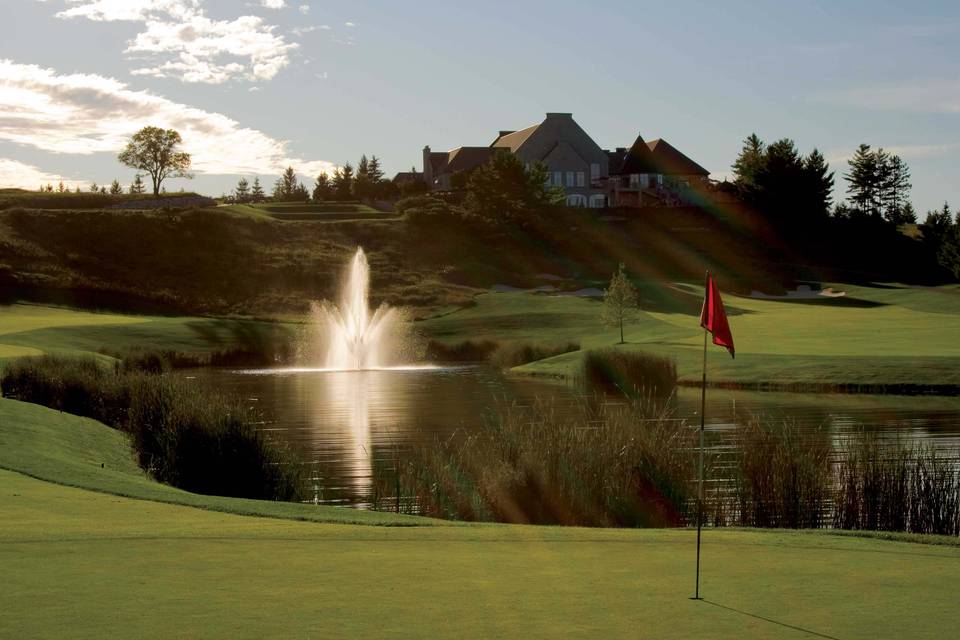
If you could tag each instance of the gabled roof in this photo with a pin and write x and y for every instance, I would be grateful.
(438, 160)
(638, 159)
(467, 158)
(513, 141)
(407, 176)
(669, 161)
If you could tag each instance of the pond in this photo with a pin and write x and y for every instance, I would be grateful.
(345, 422)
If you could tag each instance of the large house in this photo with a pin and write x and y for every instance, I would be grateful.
(645, 174)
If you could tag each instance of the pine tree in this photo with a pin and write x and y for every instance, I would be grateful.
(322, 189)
(285, 188)
(115, 188)
(863, 178)
(749, 163)
(343, 182)
(817, 184)
(907, 214)
(257, 194)
(620, 301)
(77, 189)
(61, 188)
(103, 191)
(374, 170)
(137, 187)
(361, 182)
(94, 187)
(897, 190)
(242, 192)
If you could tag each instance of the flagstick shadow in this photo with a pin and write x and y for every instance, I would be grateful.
(771, 620)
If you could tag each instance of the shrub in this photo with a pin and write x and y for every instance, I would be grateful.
(465, 351)
(630, 373)
(514, 354)
(182, 434)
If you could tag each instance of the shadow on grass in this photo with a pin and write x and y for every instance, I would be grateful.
(771, 620)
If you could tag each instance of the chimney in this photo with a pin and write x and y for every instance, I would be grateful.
(427, 167)
(559, 116)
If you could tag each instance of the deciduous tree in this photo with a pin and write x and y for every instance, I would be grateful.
(155, 151)
(620, 301)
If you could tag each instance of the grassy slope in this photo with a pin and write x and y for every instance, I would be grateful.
(86, 564)
(58, 447)
(873, 335)
(34, 329)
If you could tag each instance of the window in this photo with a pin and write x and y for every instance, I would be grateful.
(557, 179)
(569, 178)
(634, 180)
(581, 179)
(576, 200)
(598, 201)
(594, 170)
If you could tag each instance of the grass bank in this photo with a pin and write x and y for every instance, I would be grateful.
(890, 336)
(85, 562)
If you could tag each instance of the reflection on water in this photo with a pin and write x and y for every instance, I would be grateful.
(346, 422)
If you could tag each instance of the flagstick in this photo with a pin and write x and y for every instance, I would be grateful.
(703, 408)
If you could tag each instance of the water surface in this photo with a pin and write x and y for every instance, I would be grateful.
(345, 422)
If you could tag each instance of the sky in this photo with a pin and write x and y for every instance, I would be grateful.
(256, 85)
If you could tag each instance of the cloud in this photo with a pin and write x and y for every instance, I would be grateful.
(299, 31)
(179, 41)
(304, 9)
(273, 4)
(127, 10)
(85, 114)
(26, 176)
(349, 24)
(198, 44)
(928, 96)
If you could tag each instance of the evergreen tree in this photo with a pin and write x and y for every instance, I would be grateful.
(285, 187)
(343, 182)
(137, 187)
(907, 215)
(374, 170)
(817, 184)
(322, 188)
(49, 188)
(242, 192)
(620, 301)
(863, 178)
(77, 189)
(362, 185)
(94, 187)
(749, 163)
(897, 190)
(61, 187)
(505, 189)
(257, 194)
(103, 191)
(115, 188)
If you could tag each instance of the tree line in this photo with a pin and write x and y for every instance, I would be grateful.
(365, 182)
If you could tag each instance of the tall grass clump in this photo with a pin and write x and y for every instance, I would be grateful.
(896, 486)
(591, 464)
(629, 373)
(514, 354)
(182, 434)
(781, 475)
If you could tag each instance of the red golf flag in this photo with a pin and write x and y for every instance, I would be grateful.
(713, 318)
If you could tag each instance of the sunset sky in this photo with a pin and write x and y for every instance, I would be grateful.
(259, 84)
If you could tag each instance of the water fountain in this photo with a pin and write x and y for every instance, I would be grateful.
(351, 336)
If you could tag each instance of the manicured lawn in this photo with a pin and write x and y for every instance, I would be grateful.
(58, 447)
(35, 329)
(80, 563)
(872, 335)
